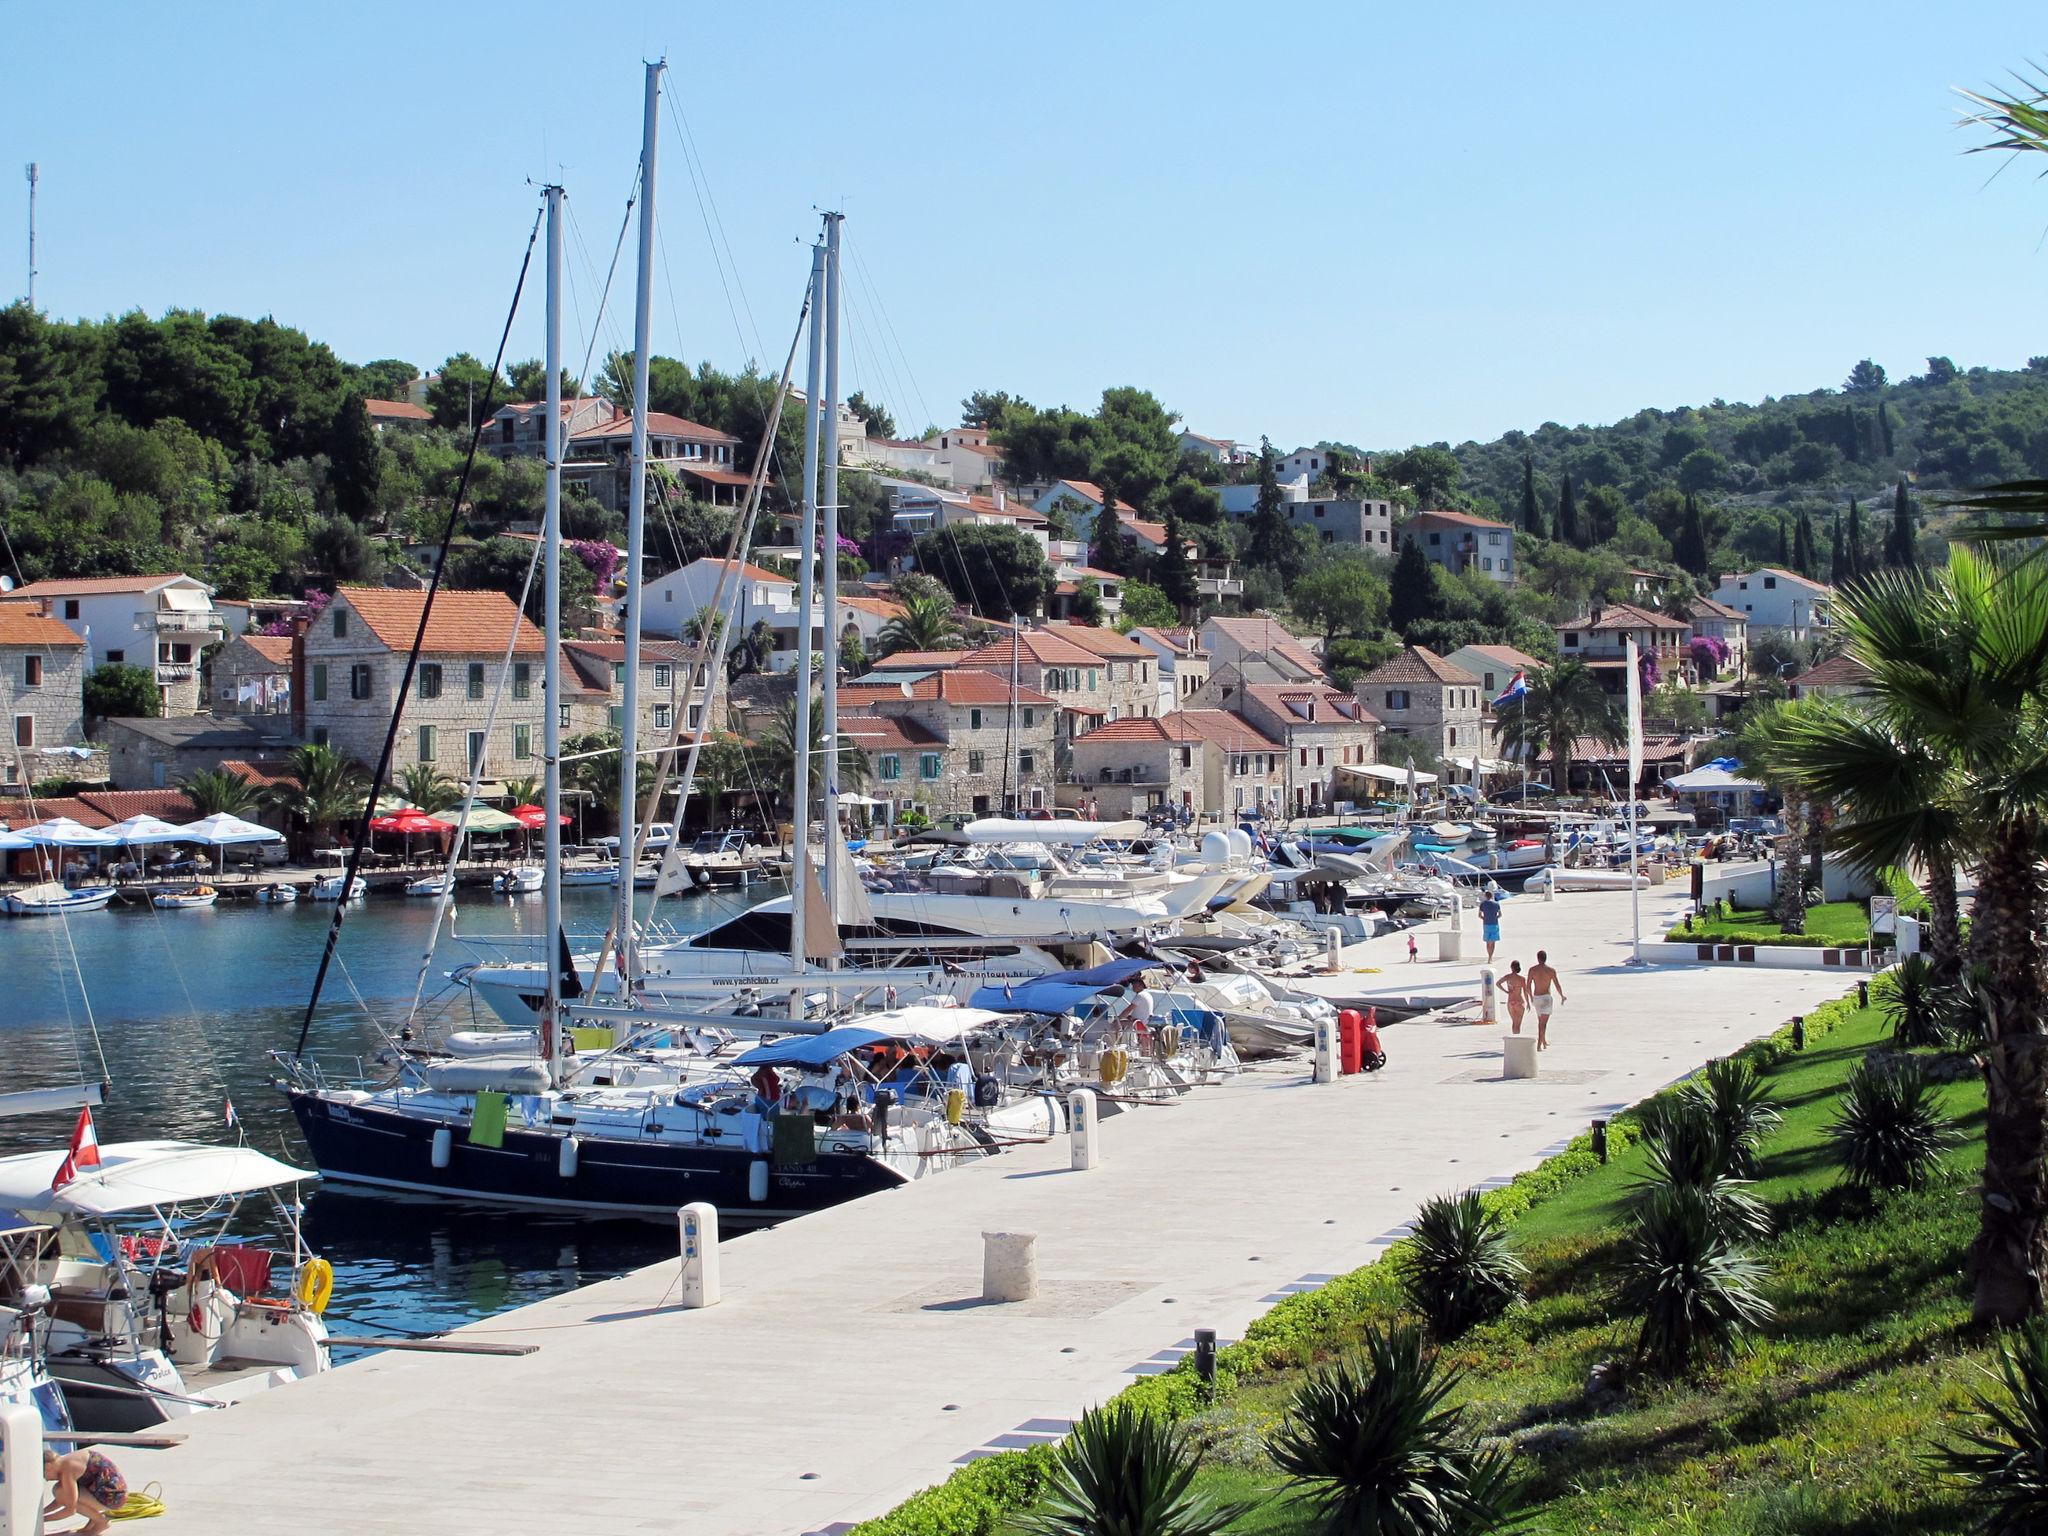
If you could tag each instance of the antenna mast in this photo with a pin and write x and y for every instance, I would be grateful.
(33, 177)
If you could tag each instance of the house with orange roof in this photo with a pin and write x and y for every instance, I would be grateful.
(1463, 541)
(1076, 680)
(997, 747)
(161, 623)
(1778, 602)
(1320, 729)
(251, 675)
(348, 663)
(1421, 695)
(600, 459)
(1129, 668)
(1600, 639)
(671, 692)
(1181, 663)
(1207, 761)
(965, 456)
(1261, 648)
(42, 687)
(514, 430)
(1710, 618)
(401, 414)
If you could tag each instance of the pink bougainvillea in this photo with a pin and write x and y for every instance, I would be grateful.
(316, 604)
(599, 558)
(1709, 655)
(1648, 670)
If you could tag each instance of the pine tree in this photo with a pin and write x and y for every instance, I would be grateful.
(1802, 547)
(1784, 552)
(1838, 571)
(1884, 427)
(1567, 514)
(1109, 537)
(1171, 572)
(1532, 512)
(1857, 565)
(1691, 547)
(1901, 548)
(1411, 589)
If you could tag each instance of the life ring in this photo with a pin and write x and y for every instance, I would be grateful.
(314, 1285)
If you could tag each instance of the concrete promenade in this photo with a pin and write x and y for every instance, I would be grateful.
(851, 1362)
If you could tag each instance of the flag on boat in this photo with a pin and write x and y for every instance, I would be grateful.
(231, 1117)
(84, 1151)
(1517, 687)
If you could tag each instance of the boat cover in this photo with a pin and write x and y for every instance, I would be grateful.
(1002, 830)
(139, 1176)
(1058, 991)
(922, 1025)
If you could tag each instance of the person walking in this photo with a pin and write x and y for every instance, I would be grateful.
(1548, 988)
(1516, 987)
(1411, 949)
(1489, 921)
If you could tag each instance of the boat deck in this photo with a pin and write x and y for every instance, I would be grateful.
(852, 1362)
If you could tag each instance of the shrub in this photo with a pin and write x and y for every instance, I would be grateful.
(1922, 1011)
(1693, 1288)
(1687, 1150)
(1889, 1132)
(1731, 1095)
(974, 1501)
(1375, 1451)
(1457, 1268)
(2002, 1454)
(1121, 1472)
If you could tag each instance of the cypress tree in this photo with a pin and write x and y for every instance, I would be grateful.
(1691, 547)
(1852, 435)
(1802, 547)
(1270, 533)
(1176, 578)
(1532, 514)
(1884, 427)
(1109, 536)
(1411, 589)
(1855, 549)
(1567, 514)
(1838, 572)
(1784, 553)
(1899, 549)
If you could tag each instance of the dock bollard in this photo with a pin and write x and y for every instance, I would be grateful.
(1517, 1056)
(21, 1469)
(1084, 1126)
(1457, 913)
(1550, 885)
(699, 1223)
(1489, 996)
(1009, 1266)
(1333, 947)
(1328, 1059)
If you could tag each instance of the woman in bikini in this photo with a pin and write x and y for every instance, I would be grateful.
(87, 1484)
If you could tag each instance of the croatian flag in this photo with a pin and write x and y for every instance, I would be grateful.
(84, 1151)
(1517, 686)
(231, 1116)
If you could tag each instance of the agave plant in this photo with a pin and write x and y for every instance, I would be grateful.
(1731, 1095)
(1922, 1011)
(1458, 1269)
(1695, 1290)
(1687, 1149)
(1375, 1452)
(2002, 1454)
(1889, 1132)
(1123, 1472)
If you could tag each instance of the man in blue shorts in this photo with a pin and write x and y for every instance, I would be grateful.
(1489, 921)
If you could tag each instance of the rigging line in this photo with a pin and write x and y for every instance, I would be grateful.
(877, 355)
(70, 942)
(604, 297)
(867, 280)
(700, 172)
(412, 659)
(717, 262)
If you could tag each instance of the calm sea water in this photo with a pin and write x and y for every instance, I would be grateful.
(185, 1006)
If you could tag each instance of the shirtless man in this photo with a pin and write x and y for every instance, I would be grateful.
(1542, 978)
(1516, 986)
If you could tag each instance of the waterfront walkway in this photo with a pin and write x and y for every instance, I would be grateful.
(851, 1362)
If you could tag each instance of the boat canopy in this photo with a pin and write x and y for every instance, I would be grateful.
(903, 1026)
(997, 829)
(1385, 773)
(1701, 780)
(139, 1176)
(1057, 991)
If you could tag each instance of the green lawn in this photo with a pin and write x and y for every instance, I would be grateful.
(1830, 925)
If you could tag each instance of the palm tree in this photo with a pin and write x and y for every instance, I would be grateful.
(774, 754)
(324, 788)
(1959, 667)
(429, 788)
(925, 624)
(721, 765)
(753, 651)
(219, 792)
(1564, 704)
(1759, 743)
(525, 791)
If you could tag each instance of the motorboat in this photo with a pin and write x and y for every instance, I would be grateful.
(430, 885)
(723, 858)
(141, 1304)
(191, 899)
(277, 894)
(330, 888)
(52, 899)
(590, 874)
(519, 880)
(26, 1248)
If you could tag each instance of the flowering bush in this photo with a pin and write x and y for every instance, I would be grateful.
(599, 558)
(1709, 655)
(316, 604)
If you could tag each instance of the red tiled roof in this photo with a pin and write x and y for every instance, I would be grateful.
(612, 652)
(1281, 699)
(1419, 664)
(716, 476)
(884, 733)
(461, 624)
(910, 661)
(1506, 655)
(82, 586)
(968, 686)
(275, 649)
(1835, 672)
(748, 569)
(1106, 643)
(120, 804)
(1023, 511)
(1187, 642)
(397, 410)
(1231, 732)
(1456, 520)
(1093, 492)
(22, 624)
(1037, 647)
(1707, 605)
(262, 775)
(21, 813)
(880, 607)
(1160, 728)
(1150, 533)
(659, 424)
(1626, 616)
(1263, 635)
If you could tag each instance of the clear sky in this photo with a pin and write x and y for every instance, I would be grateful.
(1381, 223)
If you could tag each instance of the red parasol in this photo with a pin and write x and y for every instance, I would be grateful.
(533, 816)
(411, 823)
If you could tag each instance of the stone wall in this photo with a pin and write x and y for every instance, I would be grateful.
(56, 704)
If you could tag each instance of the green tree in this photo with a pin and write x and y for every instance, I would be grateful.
(879, 422)
(1940, 371)
(1411, 590)
(117, 691)
(1838, 566)
(343, 552)
(926, 624)
(1146, 606)
(1601, 514)
(1901, 547)
(1564, 705)
(1802, 546)
(528, 380)
(1784, 548)
(1567, 526)
(323, 788)
(1859, 560)
(775, 749)
(1171, 572)
(1343, 596)
(429, 788)
(1702, 471)
(1690, 547)
(219, 792)
(1884, 427)
(1532, 510)
(465, 391)
(989, 407)
(1431, 472)
(1108, 549)
(1866, 378)
(1271, 540)
(996, 572)
(355, 462)
(388, 378)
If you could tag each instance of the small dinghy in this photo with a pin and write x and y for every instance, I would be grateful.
(429, 885)
(192, 899)
(278, 895)
(519, 880)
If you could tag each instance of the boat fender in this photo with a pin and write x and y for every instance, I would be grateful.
(956, 1105)
(444, 1147)
(565, 1159)
(757, 1180)
(314, 1285)
(988, 1093)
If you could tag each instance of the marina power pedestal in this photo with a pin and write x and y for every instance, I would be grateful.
(699, 1284)
(1489, 996)
(1085, 1127)
(1329, 1056)
(21, 1469)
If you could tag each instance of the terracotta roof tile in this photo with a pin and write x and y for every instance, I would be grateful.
(912, 661)
(461, 623)
(1039, 648)
(1106, 643)
(397, 410)
(21, 813)
(1419, 664)
(885, 733)
(1835, 672)
(84, 586)
(659, 424)
(1288, 701)
(120, 804)
(1159, 728)
(1231, 732)
(22, 624)
(275, 649)
(965, 686)
(1449, 519)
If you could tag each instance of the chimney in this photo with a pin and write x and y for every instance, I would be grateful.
(1002, 499)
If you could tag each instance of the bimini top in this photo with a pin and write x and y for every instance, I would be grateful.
(998, 829)
(903, 1026)
(1057, 991)
(139, 1176)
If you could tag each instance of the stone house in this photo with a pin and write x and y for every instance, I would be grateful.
(1460, 542)
(42, 687)
(1128, 667)
(1709, 619)
(1319, 729)
(1419, 694)
(251, 675)
(906, 761)
(1601, 638)
(515, 430)
(600, 457)
(1246, 769)
(1074, 679)
(1181, 663)
(1130, 766)
(987, 761)
(347, 665)
(670, 699)
(157, 754)
(1260, 638)
(162, 624)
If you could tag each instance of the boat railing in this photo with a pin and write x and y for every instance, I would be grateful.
(321, 1070)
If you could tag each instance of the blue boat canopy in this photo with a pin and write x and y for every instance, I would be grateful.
(1059, 991)
(919, 1024)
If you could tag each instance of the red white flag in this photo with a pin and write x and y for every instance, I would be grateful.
(84, 1151)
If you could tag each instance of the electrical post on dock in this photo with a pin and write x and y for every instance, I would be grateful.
(698, 1284)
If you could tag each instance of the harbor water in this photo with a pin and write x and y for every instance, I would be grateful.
(187, 1006)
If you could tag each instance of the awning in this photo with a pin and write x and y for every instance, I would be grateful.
(905, 1026)
(1004, 830)
(1385, 773)
(1701, 780)
(140, 1176)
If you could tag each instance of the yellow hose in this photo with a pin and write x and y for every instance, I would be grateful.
(141, 1504)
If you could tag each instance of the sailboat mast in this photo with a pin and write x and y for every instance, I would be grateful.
(828, 559)
(636, 523)
(806, 569)
(551, 663)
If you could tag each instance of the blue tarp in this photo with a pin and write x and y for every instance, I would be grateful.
(812, 1050)
(1060, 990)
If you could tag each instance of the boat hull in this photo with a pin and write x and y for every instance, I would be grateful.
(364, 1144)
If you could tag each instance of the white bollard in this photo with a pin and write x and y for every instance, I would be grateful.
(1009, 1266)
(1450, 945)
(1550, 885)
(1333, 946)
(699, 1223)
(1329, 1059)
(1517, 1055)
(1084, 1127)
(1457, 913)
(21, 1469)
(1489, 996)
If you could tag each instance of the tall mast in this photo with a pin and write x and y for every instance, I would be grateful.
(828, 559)
(636, 521)
(33, 177)
(806, 568)
(551, 662)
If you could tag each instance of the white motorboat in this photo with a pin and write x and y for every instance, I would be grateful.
(277, 895)
(430, 885)
(723, 858)
(519, 880)
(329, 888)
(192, 899)
(50, 899)
(1569, 879)
(590, 874)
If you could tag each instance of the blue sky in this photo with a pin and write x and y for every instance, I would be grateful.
(1377, 223)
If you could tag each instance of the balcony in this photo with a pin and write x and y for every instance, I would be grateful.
(175, 671)
(1219, 586)
(178, 621)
